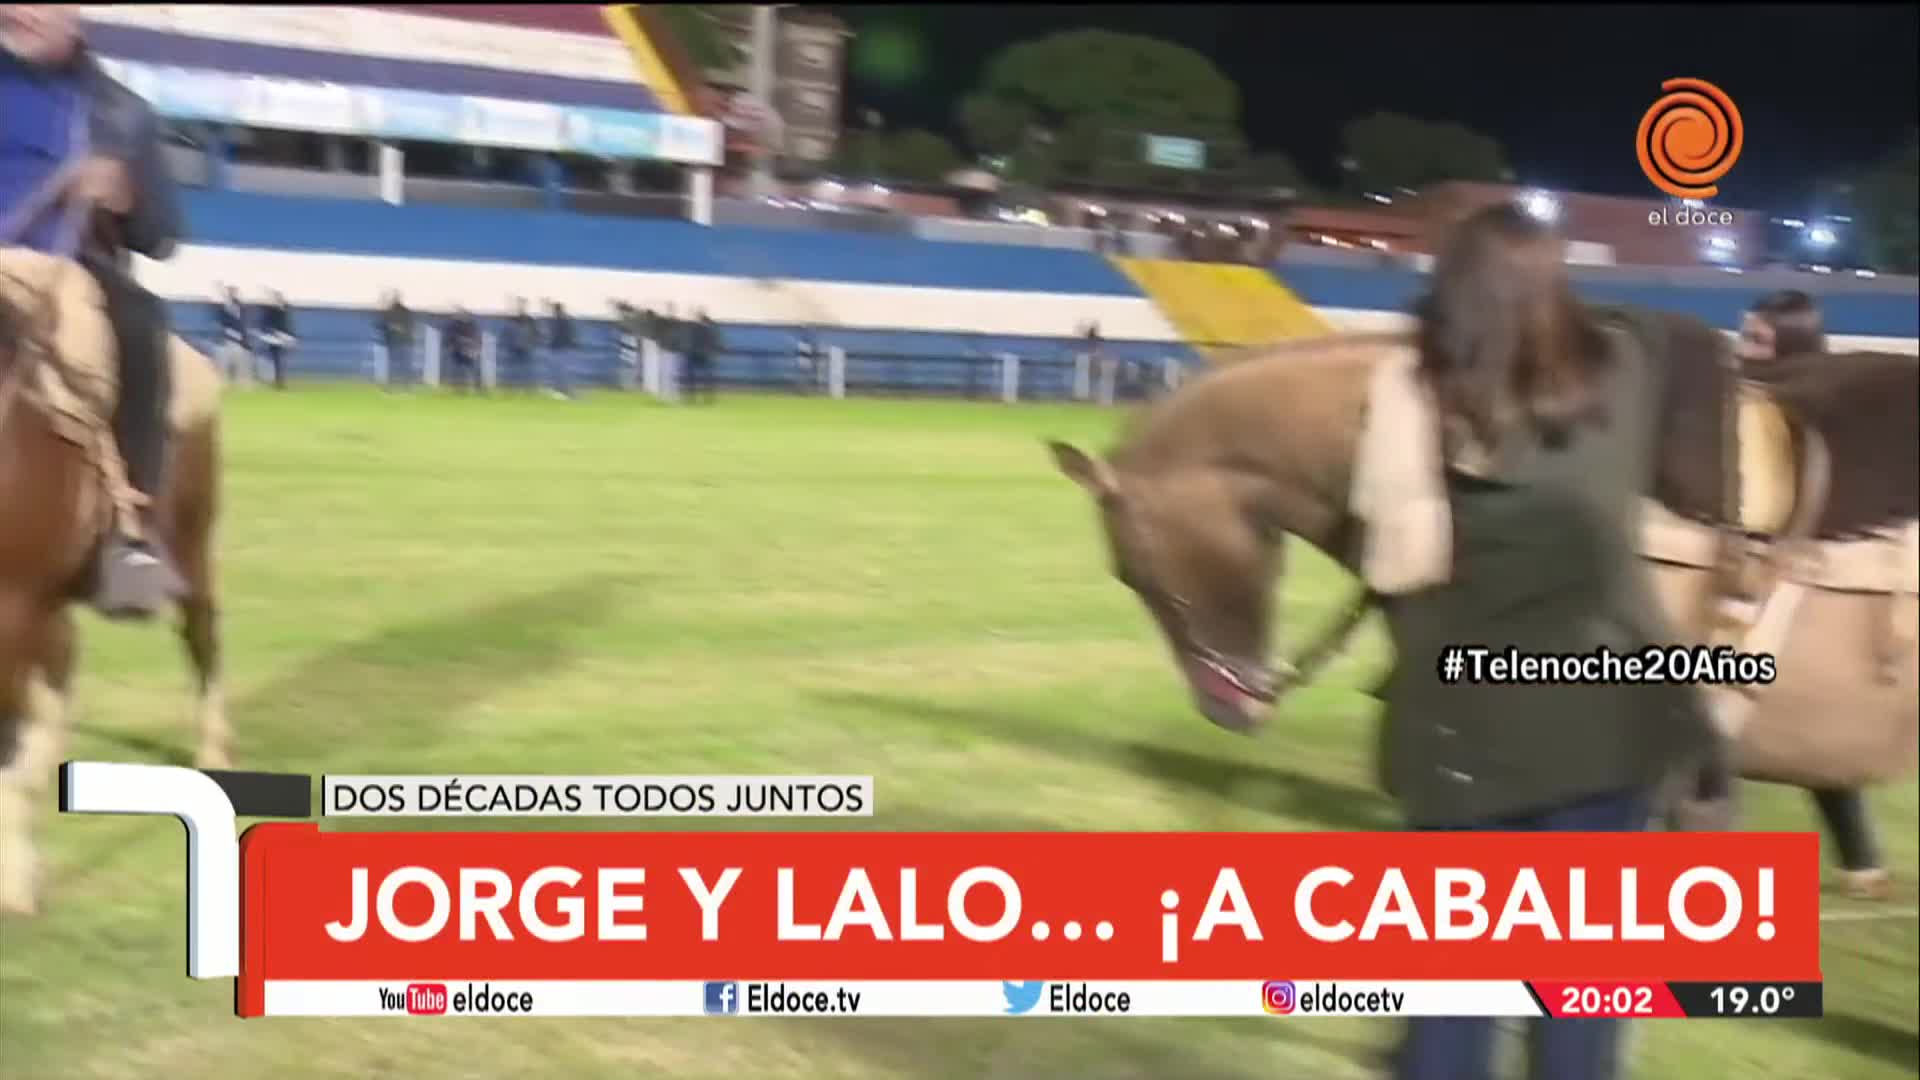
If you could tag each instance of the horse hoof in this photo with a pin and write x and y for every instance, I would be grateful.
(1874, 884)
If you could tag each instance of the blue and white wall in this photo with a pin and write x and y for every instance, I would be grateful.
(347, 254)
(344, 255)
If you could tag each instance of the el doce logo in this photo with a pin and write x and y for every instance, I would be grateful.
(1690, 138)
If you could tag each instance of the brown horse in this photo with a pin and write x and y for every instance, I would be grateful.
(56, 513)
(1198, 496)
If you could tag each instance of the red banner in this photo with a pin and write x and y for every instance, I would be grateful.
(851, 906)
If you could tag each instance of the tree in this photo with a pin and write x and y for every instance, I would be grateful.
(1076, 105)
(920, 156)
(1889, 197)
(700, 30)
(1385, 151)
(1274, 172)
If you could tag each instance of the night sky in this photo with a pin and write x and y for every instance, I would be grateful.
(1821, 88)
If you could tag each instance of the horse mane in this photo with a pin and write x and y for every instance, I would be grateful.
(1149, 429)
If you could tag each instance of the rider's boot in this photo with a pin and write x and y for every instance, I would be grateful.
(136, 579)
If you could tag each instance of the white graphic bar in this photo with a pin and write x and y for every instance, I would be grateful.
(597, 796)
(213, 853)
(1279, 999)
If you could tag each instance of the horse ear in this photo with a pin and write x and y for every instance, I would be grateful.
(1089, 472)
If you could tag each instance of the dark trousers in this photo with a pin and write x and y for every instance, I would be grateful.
(519, 369)
(140, 330)
(278, 355)
(466, 372)
(1461, 1048)
(1845, 812)
(700, 378)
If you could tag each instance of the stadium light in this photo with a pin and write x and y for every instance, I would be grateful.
(1821, 236)
(1542, 206)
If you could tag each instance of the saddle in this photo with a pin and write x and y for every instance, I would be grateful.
(73, 378)
(1775, 575)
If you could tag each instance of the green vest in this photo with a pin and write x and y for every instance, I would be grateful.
(1544, 561)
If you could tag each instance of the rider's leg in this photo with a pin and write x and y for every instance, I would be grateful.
(1845, 813)
(135, 579)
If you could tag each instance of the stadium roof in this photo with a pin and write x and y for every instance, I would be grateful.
(566, 18)
(156, 47)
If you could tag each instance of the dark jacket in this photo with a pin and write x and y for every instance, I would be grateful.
(560, 331)
(279, 319)
(704, 342)
(120, 125)
(522, 336)
(396, 326)
(1545, 561)
(233, 323)
(463, 338)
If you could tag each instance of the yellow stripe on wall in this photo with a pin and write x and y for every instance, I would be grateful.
(624, 23)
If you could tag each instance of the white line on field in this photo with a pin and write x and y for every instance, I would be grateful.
(1870, 916)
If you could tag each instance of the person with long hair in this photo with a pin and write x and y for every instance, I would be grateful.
(1546, 414)
(1783, 323)
(1789, 323)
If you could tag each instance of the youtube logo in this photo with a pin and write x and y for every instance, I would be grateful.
(426, 999)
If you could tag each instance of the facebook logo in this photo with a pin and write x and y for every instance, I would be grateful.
(723, 998)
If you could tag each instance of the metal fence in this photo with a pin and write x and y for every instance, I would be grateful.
(1063, 371)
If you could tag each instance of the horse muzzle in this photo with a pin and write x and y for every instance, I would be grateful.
(1234, 695)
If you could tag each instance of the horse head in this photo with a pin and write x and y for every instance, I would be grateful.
(1191, 550)
(1197, 500)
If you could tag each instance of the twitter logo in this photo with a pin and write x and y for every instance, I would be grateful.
(1022, 996)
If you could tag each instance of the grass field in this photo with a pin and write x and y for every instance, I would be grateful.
(905, 590)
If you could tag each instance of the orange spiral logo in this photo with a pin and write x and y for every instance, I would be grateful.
(1690, 138)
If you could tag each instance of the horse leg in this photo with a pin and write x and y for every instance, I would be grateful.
(50, 715)
(22, 628)
(200, 630)
(192, 547)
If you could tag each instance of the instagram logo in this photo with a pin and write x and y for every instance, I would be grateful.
(1277, 998)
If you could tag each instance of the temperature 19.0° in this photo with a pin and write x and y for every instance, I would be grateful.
(1748, 999)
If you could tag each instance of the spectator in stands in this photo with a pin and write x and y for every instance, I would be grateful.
(703, 349)
(1788, 323)
(560, 344)
(395, 325)
(277, 324)
(523, 341)
(463, 348)
(236, 340)
(59, 109)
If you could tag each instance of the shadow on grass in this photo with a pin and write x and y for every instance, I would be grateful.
(399, 687)
(1873, 1038)
(1254, 785)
